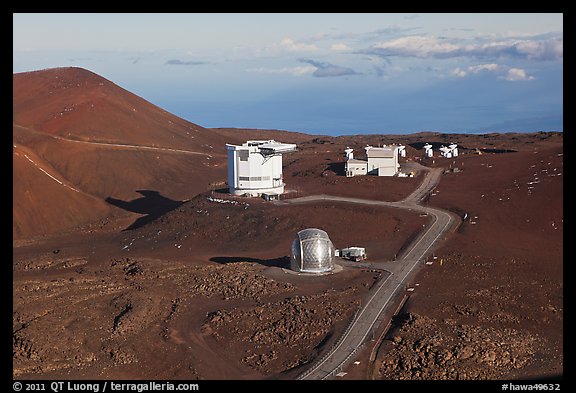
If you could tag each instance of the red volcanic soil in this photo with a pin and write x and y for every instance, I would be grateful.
(132, 262)
(78, 104)
(510, 251)
(31, 187)
(246, 228)
(491, 305)
(106, 142)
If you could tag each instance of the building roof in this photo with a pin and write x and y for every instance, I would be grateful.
(356, 161)
(277, 147)
(380, 152)
(264, 147)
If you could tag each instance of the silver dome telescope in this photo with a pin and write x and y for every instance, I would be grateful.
(312, 252)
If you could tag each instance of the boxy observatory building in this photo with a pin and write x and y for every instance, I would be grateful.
(255, 167)
(380, 161)
(312, 252)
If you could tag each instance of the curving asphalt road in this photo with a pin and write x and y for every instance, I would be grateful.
(379, 301)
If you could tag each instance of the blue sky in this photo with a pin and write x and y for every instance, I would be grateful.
(319, 73)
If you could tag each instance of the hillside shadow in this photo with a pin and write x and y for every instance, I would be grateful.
(277, 262)
(152, 204)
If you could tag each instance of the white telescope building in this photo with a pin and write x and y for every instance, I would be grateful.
(380, 161)
(454, 148)
(402, 151)
(255, 168)
(450, 151)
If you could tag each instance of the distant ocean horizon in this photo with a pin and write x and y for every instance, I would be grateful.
(333, 111)
(217, 116)
(338, 108)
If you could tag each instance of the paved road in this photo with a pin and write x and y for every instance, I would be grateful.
(379, 301)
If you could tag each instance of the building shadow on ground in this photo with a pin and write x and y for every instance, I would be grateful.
(152, 204)
(277, 262)
(339, 168)
(223, 190)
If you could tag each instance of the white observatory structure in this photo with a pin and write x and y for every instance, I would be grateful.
(428, 150)
(349, 153)
(255, 167)
(454, 148)
(402, 150)
(312, 251)
(445, 152)
(450, 151)
(380, 161)
(354, 167)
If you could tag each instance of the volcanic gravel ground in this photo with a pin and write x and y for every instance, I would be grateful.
(120, 319)
(296, 325)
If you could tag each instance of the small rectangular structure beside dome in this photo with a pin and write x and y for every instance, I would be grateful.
(353, 253)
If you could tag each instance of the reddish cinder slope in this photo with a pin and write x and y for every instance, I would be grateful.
(35, 185)
(79, 104)
(103, 141)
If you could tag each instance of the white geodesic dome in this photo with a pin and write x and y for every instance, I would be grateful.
(312, 252)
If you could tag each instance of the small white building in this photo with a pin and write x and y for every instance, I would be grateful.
(380, 161)
(356, 167)
(255, 167)
(428, 150)
(352, 253)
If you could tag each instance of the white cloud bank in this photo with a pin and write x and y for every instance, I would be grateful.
(517, 74)
(295, 71)
(462, 72)
(424, 47)
(510, 74)
(292, 46)
(414, 46)
(339, 47)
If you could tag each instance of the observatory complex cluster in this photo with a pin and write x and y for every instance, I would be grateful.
(255, 169)
(380, 161)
